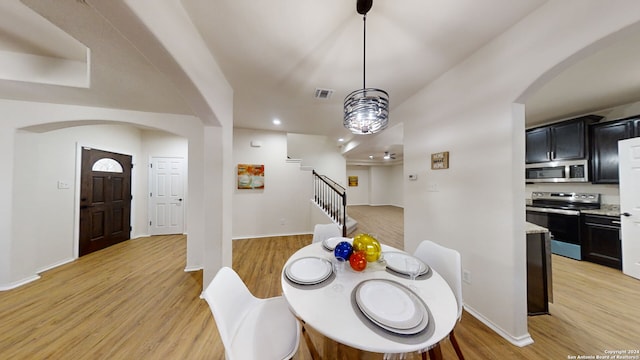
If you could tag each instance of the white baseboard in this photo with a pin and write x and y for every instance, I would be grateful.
(193, 268)
(19, 283)
(519, 341)
(35, 277)
(55, 265)
(270, 235)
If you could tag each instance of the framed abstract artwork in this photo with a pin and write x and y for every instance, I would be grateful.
(250, 176)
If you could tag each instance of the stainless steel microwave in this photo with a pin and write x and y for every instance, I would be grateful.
(557, 171)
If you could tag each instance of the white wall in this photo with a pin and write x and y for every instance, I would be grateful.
(320, 153)
(377, 185)
(209, 137)
(283, 206)
(45, 215)
(477, 205)
(358, 195)
(51, 213)
(386, 185)
(25, 155)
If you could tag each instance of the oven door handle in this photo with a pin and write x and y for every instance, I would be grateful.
(554, 211)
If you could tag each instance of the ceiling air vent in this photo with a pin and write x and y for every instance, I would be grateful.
(323, 93)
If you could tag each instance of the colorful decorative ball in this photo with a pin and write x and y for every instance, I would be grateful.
(368, 244)
(358, 260)
(343, 250)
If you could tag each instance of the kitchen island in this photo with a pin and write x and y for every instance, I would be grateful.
(539, 281)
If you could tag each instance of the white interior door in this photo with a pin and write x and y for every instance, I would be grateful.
(629, 151)
(166, 196)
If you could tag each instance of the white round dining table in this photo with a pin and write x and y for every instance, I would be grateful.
(328, 308)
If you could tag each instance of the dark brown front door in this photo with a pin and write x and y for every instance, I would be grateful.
(105, 199)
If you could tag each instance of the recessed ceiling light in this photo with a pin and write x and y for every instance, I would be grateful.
(277, 122)
(341, 140)
(371, 157)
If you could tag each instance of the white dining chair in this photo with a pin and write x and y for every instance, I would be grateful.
(447, 263)
(250, 327)
(323, 232)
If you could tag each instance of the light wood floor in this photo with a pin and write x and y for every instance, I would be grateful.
(134, 301)
(385, 223)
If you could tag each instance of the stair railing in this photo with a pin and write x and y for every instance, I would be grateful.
(332, 198)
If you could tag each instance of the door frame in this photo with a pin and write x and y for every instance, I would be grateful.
(627, 206)
(76, 200)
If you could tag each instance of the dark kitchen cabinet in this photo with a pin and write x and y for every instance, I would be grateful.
(601, 240)
(539, 279)
(538, 144)
(604, 148)
(566, 140)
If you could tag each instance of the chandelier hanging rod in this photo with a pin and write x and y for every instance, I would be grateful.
(364, 51)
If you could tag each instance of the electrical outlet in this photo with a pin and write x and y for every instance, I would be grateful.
(63, 185)
(466, 276)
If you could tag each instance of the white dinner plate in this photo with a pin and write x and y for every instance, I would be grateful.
(309, 270)
(390, 304)
(396, 262)
(423, 324)
(330, 243)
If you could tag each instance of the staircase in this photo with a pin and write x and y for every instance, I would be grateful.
(352, 225)
(331, 198)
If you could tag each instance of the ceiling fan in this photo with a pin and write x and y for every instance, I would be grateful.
(388, 156)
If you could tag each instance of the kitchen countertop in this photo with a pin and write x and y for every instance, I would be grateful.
(605, 210)
(534, 229)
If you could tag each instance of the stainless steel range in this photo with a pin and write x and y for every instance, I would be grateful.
(560, 213)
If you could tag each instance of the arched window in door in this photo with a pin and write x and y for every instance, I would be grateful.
(107, 165)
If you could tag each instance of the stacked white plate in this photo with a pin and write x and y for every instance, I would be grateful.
(396, 261)
(392, 306)
(309, 270)
(330, 243)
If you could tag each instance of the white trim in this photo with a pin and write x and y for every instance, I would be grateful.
(194, 268)
(520, 341)
(55, 265)
(268, 236)
(19, 283)
(76, 208)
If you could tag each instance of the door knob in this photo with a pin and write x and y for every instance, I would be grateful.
(625, 214)
(179, 199)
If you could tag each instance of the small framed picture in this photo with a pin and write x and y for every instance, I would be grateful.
(250, 176)
(440, 160)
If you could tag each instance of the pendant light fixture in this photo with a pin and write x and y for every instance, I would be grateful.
(366, 111)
